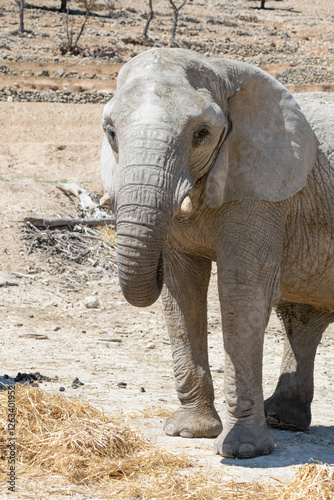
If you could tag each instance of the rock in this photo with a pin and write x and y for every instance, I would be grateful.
(5, 382)
(150, 345)
(91, 302)
(76, 383)
(10, 95)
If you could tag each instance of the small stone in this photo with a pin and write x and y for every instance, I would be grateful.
(76, 383)
(142, 389)
(56, 328)
(150, 345)
(92, 302)
(122, 385)
(62, 389)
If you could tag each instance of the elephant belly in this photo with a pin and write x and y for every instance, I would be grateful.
(307, 270)
(318, 293)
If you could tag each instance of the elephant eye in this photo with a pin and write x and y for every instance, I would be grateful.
(200, 135)
(111, 134)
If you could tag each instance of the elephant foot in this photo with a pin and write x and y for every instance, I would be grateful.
(242, 441)
(193, 423)
(290, 414)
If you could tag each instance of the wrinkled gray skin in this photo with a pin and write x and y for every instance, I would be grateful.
(235, 140)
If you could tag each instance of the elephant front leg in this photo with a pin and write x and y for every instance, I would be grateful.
(290, 405)
(248, 279)
(245, 433)
(185, 303)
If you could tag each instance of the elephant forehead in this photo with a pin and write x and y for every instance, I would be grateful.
(166, 63)
(162, 102)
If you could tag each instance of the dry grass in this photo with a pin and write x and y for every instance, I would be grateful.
(151, 412)
(108, 235)
(65, 446)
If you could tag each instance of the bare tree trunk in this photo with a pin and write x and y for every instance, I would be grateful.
(69, 33)
(262, 4)
(71, 45)
(176, 15)
(63, 6)
(81, 29)
(149, 19)
(20, 4)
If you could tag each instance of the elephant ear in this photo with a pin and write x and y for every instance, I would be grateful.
(108, 165)
(271, 147)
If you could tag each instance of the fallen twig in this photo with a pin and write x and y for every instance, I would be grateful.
(8, 283)
(59, 222)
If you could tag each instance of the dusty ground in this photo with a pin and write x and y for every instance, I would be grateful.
(292, 39)
(44, 323)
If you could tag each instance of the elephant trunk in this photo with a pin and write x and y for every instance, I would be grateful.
(140, 238)
(148, 192)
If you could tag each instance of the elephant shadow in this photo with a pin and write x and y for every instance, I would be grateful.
(294, 448)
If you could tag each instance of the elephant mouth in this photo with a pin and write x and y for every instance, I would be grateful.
(160, 273)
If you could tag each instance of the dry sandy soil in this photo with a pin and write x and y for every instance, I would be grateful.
(44, 323)
(291, 39)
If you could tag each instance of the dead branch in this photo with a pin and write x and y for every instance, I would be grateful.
(20, 4)
(72, 46)
(176, 15)
(149, 19)
(8, 283)
(69, 222)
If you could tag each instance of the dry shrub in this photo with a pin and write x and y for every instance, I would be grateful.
(66, 446)
(108, 235)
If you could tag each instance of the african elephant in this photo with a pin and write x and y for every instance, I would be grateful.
(213, 160)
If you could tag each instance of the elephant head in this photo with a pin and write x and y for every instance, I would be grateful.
(179, 123)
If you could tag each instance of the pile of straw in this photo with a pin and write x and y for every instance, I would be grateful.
(65, 446)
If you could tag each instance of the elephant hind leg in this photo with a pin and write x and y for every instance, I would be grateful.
(290, 405)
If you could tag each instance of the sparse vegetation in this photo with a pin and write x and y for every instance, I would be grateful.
(110, 6)
(176, 10)
(149, 19)
(63, 6)
(20, 4)
(71, 45)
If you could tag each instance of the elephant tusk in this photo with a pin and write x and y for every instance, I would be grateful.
(186, 205)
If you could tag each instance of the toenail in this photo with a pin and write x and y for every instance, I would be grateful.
(186, 434)
(228, 451)
(169, 429)
(246, 450)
